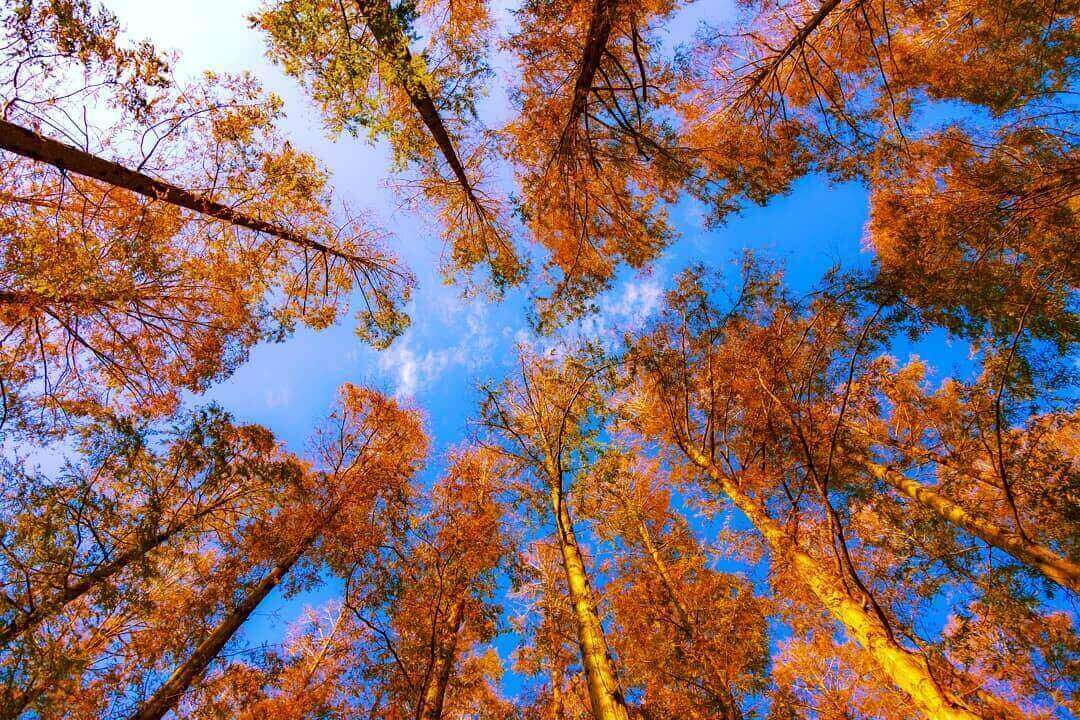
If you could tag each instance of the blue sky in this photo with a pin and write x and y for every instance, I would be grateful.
(454, 344)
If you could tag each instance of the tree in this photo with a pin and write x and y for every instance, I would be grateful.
(130, 501)
(109, 283)
(421, 103)
(969, 221)
(594, 159)
(541, 423)
(692, 637)
(428, 605)
(367, 451)
(756, 421)
(84, 551)
(192, 593)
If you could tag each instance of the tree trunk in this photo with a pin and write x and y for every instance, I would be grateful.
(1053, 566)
(170, 694)
(723, 693)
(600, 23)
(86, 583)
(558, 705)
(605, 695)
(24, 142)
(390, 37)
(665, 577)
(432, 705)
(907, 670)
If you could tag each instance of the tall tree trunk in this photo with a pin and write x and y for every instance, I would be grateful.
(1055, 567)
(171, 692)
(605, 695)
(645, 535)
(394, 45)
(72, 592)
(723, 693)
(907, 670)
(558, 705)
(431, 706)
(24, 142)
(596, 41)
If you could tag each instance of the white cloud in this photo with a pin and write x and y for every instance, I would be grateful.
(276, 397)
(628, 307)
(414, 371)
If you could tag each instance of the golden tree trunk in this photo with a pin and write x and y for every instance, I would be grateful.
(907, 670)
(605, 695)
(723, 691)
(435, 695)
(1053, 566)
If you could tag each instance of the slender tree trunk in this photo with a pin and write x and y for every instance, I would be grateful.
(432, 705)
(596, 41)
(558, 705)
(1055, 567)
(907, 670)
(394, 45)
(86, 583)
(731, 707)
(170, 693)
(665, 577)
(605, 695)
(28, 144)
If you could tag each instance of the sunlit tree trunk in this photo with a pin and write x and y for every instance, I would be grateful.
(24, 142)
(645, 535)
(558, 704)
(1053, 566)
(431, 707)
(907, 670)
(605, 695)
(170, 693)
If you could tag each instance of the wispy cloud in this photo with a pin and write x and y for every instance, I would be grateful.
(627, 307)
(276, 397)
(413, 370)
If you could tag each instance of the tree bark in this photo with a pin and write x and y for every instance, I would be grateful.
(605, 695)
(27, 143)
(431, 707)
(86, 583)
(1055, 567)
(391, 40)
(596, 40)
(907, 670)
(665, 577)
(731, 707)
(170, 693)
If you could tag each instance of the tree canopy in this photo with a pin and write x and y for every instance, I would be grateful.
(753, 499)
